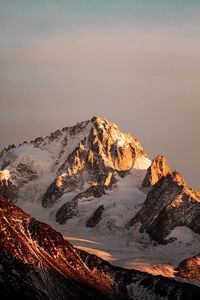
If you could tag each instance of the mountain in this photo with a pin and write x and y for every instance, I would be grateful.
(87, 161)
(90, 152)
(97, 186)
(169, 204)
(36, 262)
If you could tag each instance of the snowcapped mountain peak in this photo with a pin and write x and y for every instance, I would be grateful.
(69, 158)
(112, 130)
(100, 148)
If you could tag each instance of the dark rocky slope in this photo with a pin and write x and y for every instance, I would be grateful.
(37, 263)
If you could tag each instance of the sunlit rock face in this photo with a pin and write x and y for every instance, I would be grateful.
(158, 169)
(170, 203)
(4, 181)
(4, 176)
(38, 263)
(102, 151)
(190, 269)
(7, 188)
(118, 151)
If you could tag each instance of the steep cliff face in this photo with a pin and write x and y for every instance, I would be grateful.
(117, 150)
(7, 188)
(37, 263)
(169, 204)
(155, 172)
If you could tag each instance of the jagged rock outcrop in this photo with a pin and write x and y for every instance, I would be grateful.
(110, 180)
(62, 184)
(12, 181)
(38, 263)
(158, 169)
(169, 204)
(7, 188)
(189, 269)
(69, 209)
(117, 150)
(96, 217)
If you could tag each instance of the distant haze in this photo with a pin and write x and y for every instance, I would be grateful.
(136, 63)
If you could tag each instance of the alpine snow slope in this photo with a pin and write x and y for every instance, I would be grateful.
(97, 186)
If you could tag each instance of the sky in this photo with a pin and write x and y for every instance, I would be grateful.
(134, 62)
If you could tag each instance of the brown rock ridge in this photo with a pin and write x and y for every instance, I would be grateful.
(158, 169)
(170, 203)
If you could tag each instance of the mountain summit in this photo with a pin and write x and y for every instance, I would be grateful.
(92, 151)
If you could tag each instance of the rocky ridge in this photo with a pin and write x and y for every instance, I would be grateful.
(158, 169)
(169, 203)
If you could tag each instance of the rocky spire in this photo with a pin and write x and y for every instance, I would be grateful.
(158, 169)
(170, 203)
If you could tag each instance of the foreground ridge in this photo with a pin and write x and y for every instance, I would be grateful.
(37, 263)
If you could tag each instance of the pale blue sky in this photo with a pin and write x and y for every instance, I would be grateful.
(136, 63)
